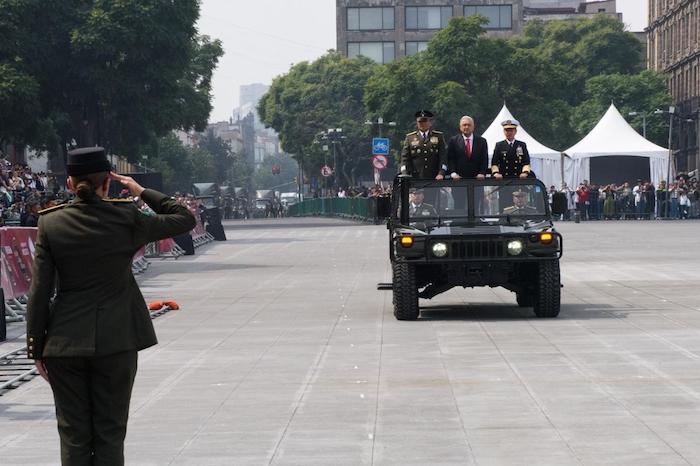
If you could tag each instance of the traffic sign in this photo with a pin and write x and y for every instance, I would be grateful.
(380, 146)
(326, 171)
(380, 162)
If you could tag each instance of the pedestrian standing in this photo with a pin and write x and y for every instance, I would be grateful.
(85, 343)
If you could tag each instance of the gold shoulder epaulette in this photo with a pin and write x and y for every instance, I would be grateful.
(412, 133)
(437, 132)
(128, 200)
(52, 209)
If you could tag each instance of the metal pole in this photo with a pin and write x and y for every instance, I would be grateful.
(300, 181)
(335, 167)
(670, 154)
(644, 125)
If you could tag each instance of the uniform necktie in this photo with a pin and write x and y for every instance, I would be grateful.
(469, 148)
(425, 136)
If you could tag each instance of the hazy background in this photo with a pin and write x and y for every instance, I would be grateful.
(263, 38)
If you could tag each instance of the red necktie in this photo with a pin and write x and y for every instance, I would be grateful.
(469, 148)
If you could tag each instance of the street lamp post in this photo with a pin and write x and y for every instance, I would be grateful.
(644, 121)
(671, 112)
(335, 136)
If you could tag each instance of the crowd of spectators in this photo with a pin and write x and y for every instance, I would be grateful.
(24, 193)
(641, 201)
(355, 191)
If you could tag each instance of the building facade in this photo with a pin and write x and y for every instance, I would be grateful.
(385, 30)
(673, 48)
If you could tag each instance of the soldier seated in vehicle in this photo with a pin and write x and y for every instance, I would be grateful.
(520, 206)
(417, 208)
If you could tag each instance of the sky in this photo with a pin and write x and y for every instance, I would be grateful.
(263, 38)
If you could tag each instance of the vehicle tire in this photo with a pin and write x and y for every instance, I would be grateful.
(547, 297)
(405, 291)
(524, 298)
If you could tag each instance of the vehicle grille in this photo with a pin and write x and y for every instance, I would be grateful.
(477, 249)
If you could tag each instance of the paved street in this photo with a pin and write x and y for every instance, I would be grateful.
(284, 353)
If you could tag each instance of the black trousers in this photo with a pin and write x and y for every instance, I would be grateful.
(92, 398)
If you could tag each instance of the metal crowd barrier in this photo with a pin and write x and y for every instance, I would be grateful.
(371, 209)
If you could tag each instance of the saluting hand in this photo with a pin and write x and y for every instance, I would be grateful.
(135, 188)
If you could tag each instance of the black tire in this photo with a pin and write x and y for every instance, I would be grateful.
(405, 291)
(524, 298)
(547, 297)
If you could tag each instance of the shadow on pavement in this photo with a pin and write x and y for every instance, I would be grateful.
(509, 312)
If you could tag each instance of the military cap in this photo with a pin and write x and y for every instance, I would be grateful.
(424, 114)
(518, 193)
(416, 191)
(87, 160)
(510, 123)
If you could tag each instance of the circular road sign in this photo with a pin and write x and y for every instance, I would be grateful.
(326, 171)
(380, 162)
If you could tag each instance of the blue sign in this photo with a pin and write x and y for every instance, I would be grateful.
(380, 146)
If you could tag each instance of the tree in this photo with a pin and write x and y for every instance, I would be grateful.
(284, 181)
(109, 72)
(312, 97)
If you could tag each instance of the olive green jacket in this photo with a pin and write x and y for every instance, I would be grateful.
(84, 250)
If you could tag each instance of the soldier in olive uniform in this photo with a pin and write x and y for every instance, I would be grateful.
(423, 154)
(85, 342)
(519, 206)
(418, 208)
(510, 156)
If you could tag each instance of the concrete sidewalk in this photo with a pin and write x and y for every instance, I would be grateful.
(284, 353)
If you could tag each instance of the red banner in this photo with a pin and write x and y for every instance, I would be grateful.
(16, 260)
(17, 257)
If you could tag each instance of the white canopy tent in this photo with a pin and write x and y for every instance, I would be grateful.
(613, 136)
(545, 162)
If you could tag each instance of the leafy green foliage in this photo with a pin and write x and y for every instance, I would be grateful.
(313, 97)
(284, 181)
(109, 72)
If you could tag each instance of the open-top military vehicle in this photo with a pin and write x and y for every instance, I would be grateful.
(472, 233)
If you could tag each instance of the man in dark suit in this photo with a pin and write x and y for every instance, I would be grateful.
(467, 157)
(423, 152)
(85, 341)
(510, 156)
(467, 153)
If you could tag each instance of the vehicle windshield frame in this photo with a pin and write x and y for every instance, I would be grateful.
(404, 184)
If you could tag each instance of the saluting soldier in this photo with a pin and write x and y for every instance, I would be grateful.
(423, 153)
(85, 342)
(510, 156)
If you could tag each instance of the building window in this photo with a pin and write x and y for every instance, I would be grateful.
(370, 19)
(427, 17)
(381, 52)
(499, 16)
(413, 48)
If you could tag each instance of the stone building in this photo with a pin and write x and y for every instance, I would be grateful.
(385, 30)
(674, 48)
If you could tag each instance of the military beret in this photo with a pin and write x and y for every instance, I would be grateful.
(510, 124)
(424, 114)
(87, 160)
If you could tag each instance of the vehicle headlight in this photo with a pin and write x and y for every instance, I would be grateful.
(515, 247)
(439, 249)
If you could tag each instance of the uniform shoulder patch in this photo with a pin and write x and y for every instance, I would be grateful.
(52, 209)
(118, 201)
(437, 132)
(412, 133)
